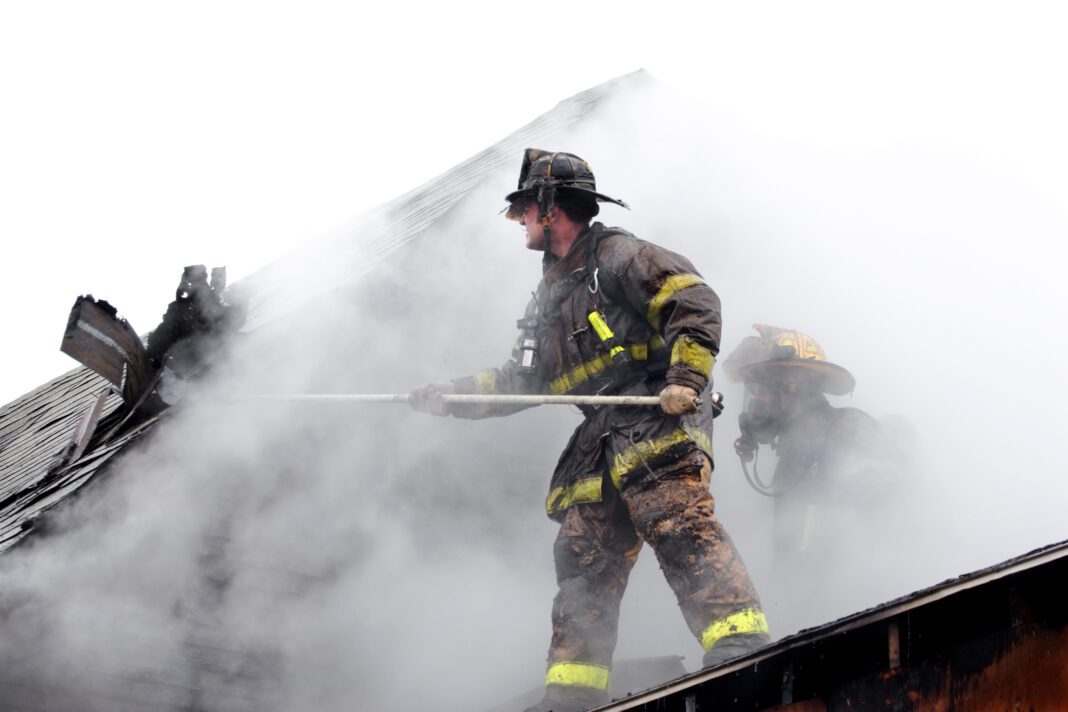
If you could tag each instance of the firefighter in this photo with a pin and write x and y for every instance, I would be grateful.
(615, 315)
(836, 470)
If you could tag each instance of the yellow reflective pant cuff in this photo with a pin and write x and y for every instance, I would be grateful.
(746, 622)
(597, 677)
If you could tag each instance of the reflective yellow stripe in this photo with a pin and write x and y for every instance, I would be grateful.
(644, 451)
(584, 491)
(597, 677)
(744, 622)
(693, 354)
(584, 372)
(701, 438)
(672, 284)
(486, 382)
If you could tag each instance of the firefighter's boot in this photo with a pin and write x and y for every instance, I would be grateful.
(734, 646)
(574, 701)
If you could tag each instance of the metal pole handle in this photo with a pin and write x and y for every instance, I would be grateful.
(534, 399)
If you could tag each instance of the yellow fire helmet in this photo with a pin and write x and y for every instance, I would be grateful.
(779, 355)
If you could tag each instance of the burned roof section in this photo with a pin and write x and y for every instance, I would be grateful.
(66, 431)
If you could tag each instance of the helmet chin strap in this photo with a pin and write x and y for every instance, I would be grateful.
(546, 200)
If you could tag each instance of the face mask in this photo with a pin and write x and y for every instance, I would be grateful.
(759, 422)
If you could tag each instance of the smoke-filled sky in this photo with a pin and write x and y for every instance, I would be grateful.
(889, 181)
(138, 138)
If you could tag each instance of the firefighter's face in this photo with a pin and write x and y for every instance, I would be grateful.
(531, 222)
(761, 402)
(775, 401)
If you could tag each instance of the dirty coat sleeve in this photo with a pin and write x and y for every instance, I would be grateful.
(676, 302)
(505, 380)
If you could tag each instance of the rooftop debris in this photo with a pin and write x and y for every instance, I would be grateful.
(193, 327)
(99, 419)
(97, 337)
(150, 377)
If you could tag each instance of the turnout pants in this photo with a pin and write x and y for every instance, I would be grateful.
(596, 548)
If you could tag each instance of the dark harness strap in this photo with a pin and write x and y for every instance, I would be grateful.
(596, 280)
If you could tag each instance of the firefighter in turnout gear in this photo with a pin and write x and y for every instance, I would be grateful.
(614, 315)
(836, 472)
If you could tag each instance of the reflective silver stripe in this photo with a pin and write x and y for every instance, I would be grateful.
(104, 339)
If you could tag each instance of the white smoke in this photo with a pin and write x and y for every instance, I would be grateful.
(368, 557)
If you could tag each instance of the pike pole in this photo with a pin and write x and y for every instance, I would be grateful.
(472, 398)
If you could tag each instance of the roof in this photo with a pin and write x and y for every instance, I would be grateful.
(61, 436)
(939, 648)
(37, 433)
(41, 463)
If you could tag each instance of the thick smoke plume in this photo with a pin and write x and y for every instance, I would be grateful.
(282, 557)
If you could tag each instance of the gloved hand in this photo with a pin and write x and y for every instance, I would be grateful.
(678, 400)
(427, 399)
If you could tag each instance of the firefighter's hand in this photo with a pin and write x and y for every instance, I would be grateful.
(678, 400)
(745, 448)
(428, 399)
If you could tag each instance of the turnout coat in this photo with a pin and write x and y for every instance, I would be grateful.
(659, 324)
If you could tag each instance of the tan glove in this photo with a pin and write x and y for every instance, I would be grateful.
(678, 400)
(428, 399)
